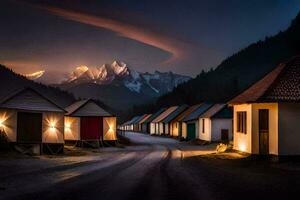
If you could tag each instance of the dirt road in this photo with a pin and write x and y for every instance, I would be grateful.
(152, 168)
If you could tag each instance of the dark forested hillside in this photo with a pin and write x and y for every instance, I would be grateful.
(10, 82)
(235, 73)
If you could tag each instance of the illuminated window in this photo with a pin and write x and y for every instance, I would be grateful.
(242, 122)
(203, 125)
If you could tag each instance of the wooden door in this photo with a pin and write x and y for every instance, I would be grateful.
(91, 128)
(191, 131)
(224, 134)
(29, 127)
(263, 125)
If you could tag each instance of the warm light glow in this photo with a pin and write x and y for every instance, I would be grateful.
(68, 125)
(52, 125)
(242, 147)
(3, 118)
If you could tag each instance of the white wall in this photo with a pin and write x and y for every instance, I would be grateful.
(206, 135)
(216, 127)
(273, 127)
(161, 128)
(249, 142)
(289, 129)
(152, 128)
(242, 141)
(167, 128)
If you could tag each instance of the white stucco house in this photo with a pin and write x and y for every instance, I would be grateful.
(216, 124)
(267, 115)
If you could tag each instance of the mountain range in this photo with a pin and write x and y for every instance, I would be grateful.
(118, 85)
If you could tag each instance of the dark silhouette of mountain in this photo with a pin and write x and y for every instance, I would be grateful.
(10, 82)
(234, 74)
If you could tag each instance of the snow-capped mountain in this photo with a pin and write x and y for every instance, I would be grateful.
(118, 72)
(118, 85)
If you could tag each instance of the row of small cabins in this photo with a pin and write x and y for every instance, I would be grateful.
(212, 122)
(264, 119)
(29, 119)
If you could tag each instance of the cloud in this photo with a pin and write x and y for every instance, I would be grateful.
(35, 75)
(176, 48)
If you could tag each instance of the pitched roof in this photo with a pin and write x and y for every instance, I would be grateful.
(153, 116)
(280, 85)
(217, 111)
(86, 108)
(131, 121)
(136, 119)
(29, 99)
(197, 112)
(145, 118)
(175, 113)
(163, 115)
(186, 112)
(141, 117)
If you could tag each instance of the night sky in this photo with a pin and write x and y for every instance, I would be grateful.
(180, 36)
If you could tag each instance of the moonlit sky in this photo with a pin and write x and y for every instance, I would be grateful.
(181, 36)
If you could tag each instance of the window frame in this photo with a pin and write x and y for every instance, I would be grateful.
(241, 124)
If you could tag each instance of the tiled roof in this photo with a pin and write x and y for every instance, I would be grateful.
(280, 85)
(163, 115)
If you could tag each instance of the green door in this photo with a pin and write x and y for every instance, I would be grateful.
(191, 131)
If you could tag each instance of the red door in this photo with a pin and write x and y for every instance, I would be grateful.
(91, 128)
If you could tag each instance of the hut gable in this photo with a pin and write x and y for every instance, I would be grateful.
(280, 85)
(29, 99)
(86, 108)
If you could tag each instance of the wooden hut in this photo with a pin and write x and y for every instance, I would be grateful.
(178, 126)
(32, 121)
(167, 121)
(266, 115)
(192, 121)
(142, 122)
(136, 124)
(146, 125)
(86, 121)
(156, 125)
(216, 123)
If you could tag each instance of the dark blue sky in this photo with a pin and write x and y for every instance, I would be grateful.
(181, 36)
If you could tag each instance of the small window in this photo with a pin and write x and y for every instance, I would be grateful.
(242, 122)
(203, 125)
